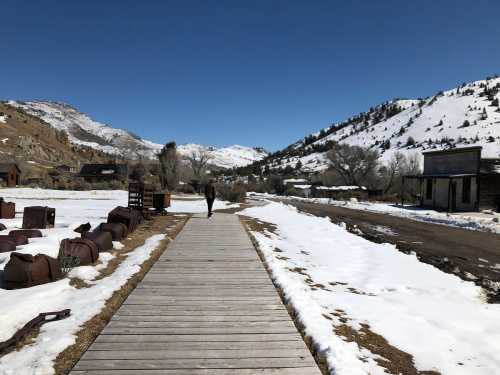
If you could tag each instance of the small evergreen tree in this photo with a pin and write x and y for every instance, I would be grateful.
(484, 115)
(410, 141)
(298, 165)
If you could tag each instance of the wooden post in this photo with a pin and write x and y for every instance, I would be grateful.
(450, 197)
(403, 192)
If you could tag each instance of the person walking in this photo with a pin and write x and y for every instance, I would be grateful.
(210, 195)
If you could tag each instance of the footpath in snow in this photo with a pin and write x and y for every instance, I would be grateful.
(334, 278)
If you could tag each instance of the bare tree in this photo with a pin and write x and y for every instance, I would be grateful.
(199, 160)
(169, 166)
(354, 164)
(399, 165)
(394, 169)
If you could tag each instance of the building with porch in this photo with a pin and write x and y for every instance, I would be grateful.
(458, 180)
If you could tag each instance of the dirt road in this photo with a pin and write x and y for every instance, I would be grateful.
(472, 255)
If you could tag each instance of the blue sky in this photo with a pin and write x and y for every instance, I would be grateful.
(257, 73)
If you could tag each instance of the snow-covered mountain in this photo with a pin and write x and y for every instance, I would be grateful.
(225, 157)
(83, 130)
(468, 115)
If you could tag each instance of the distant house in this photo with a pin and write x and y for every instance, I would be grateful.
(10, 174)
(65, 169)
(340, 192)
(291, 182)
(104, 172)
(302, 190)
(458, 180)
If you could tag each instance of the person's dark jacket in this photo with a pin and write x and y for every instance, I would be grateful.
(209, 191)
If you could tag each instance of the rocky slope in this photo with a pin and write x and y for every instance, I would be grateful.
(84, 131)
(37, 146)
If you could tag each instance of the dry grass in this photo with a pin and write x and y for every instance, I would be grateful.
(257, 225)
(171, 225)
(395, 361)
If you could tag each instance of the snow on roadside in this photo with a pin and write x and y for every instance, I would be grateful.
(436, 317)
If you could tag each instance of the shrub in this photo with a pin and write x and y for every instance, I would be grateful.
(185, 188)
(231, 193)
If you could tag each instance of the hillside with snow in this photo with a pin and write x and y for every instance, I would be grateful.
(82, 130)
(225, 157)
(468, 115)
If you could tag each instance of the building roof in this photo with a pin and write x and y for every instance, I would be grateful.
(294, 180)
(302, 187)
(6, 167)
(341, 188)
(441, 175)
(453, 150)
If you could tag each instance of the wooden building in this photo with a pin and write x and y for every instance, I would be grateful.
(64, 169)
(104, 172)
(458, 180)
(10, 174)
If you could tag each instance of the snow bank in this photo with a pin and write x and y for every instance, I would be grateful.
(25, 304)
(436, 317)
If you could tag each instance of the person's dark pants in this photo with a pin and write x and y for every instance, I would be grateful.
(210, 203)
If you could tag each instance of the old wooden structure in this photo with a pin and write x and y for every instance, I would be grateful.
(65, 169)
(10, 174)
(143, 197)
(104, 172)
(140, 196)
(206, 307)
(458, 180)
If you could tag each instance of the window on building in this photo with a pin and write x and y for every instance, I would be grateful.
(466, 186)
(428, 189)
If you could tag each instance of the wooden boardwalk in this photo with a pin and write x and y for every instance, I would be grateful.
(206, 307)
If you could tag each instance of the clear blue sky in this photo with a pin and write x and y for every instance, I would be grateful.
(258, 73)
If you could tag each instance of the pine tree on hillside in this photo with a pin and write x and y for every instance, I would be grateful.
(484, 115)
(410, 141)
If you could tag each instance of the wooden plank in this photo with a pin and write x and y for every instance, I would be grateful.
(193, 371)
(189, 345)
(215, 363)
(220, 325)
(169, 330)
(256, 337)
(193, 353)
(207, 307)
